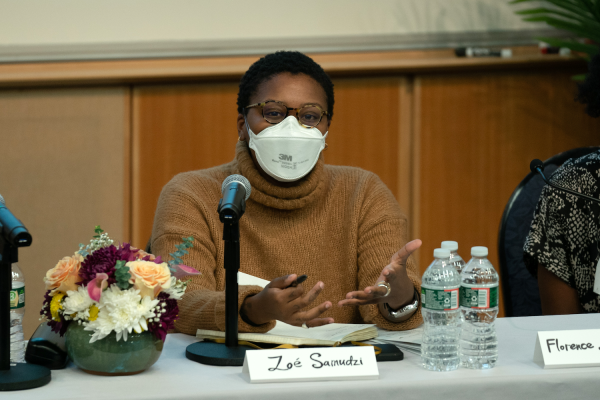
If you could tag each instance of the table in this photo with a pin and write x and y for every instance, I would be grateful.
(514, 377)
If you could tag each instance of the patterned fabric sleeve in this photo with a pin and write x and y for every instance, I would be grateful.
(565, 232)
(548, 242)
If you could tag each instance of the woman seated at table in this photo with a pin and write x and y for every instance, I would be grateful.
(563, 246)
(341, 226)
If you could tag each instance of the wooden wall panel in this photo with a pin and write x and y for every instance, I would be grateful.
(477, 134)
(64, 170)
(177, 128)
(371, 129)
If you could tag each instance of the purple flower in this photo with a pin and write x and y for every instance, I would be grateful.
(167, 319)
(101, 261)
(59, 327)
(126, 253)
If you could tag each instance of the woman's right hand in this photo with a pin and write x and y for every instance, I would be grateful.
(280, 301)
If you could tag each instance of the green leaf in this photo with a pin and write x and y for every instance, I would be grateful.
(181, 251)
(574, 8)
(123, 285)
(122, 275)
(580, 30)
(589, 5)
(98, 231)
(579, 17)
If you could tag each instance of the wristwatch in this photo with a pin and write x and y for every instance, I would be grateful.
(407, 310)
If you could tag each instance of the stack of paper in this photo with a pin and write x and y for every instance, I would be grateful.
(405, 340)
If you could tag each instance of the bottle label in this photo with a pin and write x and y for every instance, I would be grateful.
(478, 297)
(439, 299)
(17, 298)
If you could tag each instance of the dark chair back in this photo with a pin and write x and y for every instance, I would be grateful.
(519, 288)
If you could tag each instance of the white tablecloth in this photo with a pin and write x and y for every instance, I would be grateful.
(514, 377)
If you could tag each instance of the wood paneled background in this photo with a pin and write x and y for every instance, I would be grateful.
(450, 138)
(63, 169)
(478, 132)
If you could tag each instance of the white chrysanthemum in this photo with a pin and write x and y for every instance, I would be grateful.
(121, 311)
(78, 302)
(176, 289)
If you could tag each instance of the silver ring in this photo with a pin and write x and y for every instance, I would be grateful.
(387, 286)
(304, 325)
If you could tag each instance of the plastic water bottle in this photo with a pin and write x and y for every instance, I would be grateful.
(479, 307)
(439, 298)
(17, 310)
(455, 259)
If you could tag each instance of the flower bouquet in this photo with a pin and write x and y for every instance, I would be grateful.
(107, 293)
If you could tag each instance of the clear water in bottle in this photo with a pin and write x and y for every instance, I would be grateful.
(441, 330)
(479, 307)
(17, 310)
(455, 259)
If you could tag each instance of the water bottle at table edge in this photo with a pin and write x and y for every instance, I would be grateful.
(479, 307)
(455, 259)
(17, 310)
(441, 330)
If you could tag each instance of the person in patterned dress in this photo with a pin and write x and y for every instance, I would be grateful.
(563, 245)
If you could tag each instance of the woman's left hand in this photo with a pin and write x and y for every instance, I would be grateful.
(402, 288)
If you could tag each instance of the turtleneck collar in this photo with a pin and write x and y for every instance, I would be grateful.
(305, 192)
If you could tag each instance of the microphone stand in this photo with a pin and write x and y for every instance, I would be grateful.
(16, 376)
(228, 354)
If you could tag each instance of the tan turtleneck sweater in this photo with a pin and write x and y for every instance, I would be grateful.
(339, 225)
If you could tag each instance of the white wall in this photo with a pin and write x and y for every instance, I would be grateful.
(116, 28)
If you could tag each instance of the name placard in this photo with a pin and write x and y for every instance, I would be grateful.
(567, 349)
(311, 364)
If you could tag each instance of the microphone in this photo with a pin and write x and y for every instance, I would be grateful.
(538, 166)
(235, 190)
(11, 229)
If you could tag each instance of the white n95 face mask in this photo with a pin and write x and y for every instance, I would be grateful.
(287, 151)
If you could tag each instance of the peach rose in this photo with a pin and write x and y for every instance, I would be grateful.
(141, 254)
(149, 278)
(65, 275)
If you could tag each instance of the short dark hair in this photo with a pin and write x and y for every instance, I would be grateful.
(279, 62)
(589, 90)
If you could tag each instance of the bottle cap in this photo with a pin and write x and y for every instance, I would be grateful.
(441, 253)
(479, 251)
(450, 245)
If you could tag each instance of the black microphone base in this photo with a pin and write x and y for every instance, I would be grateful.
(210, 353)
(23, 376)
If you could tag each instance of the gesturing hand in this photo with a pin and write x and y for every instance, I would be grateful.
(394, 273)
(282, 302)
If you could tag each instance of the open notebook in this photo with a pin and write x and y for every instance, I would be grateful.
(326, 335)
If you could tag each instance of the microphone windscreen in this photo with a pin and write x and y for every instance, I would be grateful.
(239, 179)
(535, 164)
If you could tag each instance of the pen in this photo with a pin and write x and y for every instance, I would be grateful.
(482, 52)
(299, 280)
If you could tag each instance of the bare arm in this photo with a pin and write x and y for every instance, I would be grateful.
(557, 297)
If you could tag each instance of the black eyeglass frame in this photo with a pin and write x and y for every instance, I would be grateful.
(323, 112)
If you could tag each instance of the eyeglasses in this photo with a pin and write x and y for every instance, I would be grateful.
(274, 112)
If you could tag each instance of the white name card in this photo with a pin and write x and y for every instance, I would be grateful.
(311, 364)
(568, 349)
